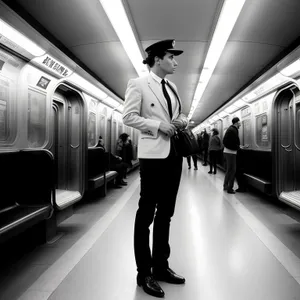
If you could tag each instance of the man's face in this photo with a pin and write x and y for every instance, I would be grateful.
(168, 64)
(238, 124)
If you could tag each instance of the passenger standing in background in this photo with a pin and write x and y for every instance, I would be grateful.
(153, 106)
(195, 158)
(231, 143)
(205, 143)
(214, 148)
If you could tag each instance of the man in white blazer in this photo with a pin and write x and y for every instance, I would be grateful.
(154, 107)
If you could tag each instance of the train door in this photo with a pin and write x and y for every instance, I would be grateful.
(67, 146)
(287, 145)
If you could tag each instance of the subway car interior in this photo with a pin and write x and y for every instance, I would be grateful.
(70, 196)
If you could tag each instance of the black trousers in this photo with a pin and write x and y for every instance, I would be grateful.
(160, 179)
(230, 170)
(205, 155)
(194, 157)
(213, 156)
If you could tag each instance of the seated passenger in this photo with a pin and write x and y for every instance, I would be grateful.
(115, 164)
(124, 149)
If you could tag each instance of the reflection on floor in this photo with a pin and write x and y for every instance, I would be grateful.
(240, 246)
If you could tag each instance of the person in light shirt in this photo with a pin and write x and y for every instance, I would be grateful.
(153, 106)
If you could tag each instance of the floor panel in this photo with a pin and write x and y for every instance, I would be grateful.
(227, 246)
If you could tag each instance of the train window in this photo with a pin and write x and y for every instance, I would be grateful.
(36, 118)
(75, 124)
(297, 125)
(262, 131)
(8, 118)
(114, 135)
(218, 125)
(109, 134)
(92, 129)
(102, 129)
(120, 129)
(4, 94)
(246, 132)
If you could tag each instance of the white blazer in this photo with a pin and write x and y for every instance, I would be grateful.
(145, 108)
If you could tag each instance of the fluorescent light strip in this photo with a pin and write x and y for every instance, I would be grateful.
(228, 16)
(115, 11)
(21, 40)
(291, 69)
(86, 85)
(112, 102)
(95, 91)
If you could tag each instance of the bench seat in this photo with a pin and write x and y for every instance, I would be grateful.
(96, 182)
(259, 183)
(110, 175)
(27, 187)
(17, 215)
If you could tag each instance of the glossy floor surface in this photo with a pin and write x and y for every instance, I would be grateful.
(228, 247)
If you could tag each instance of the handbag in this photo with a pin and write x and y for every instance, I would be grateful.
(185, 143)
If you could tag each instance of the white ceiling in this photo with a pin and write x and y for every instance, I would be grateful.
(264, 30)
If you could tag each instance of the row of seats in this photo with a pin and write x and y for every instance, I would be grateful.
(27, 186)
(28, 180)
(99, 174)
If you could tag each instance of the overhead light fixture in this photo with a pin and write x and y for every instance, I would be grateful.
(222, 114)
(228, 16)
(265, 87)
(112, 102)
(116, 13)
(240, 103)
(291, 69)
(10, 36)
(86, 85)
(231, 109)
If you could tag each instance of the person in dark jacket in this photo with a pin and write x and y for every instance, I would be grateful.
(205, 144)
(231, 143)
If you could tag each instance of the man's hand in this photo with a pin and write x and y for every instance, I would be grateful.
(179, 124)
(167, 128)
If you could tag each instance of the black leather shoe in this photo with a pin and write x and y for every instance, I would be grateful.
(168, 275)
(239, 190)
(150, 286)
(230, 191)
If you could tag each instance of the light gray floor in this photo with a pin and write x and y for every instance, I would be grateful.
(227, 247)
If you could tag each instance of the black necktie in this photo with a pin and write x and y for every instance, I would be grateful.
(163, 83)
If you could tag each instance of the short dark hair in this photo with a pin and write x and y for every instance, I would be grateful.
(150, 60)
(100, 137)
(215, 131)
(235, 120)
(123, 136)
